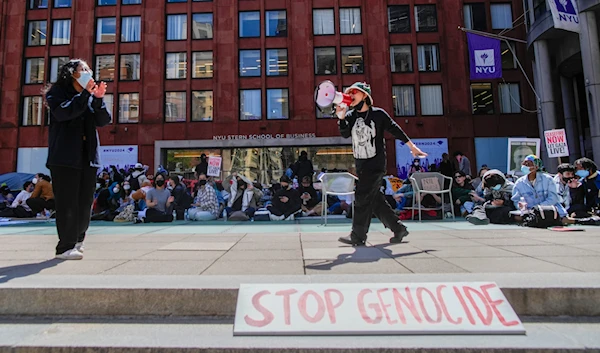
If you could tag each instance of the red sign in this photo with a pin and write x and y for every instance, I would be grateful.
(416, 308)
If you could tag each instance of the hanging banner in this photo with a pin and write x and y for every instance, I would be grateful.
(556, 143)
(434, 149)
(518, 149)
(122, 157)
(485, 57)
(214, 166)
(565, 14)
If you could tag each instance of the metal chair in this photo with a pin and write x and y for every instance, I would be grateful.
(338, 184)
(432, 181)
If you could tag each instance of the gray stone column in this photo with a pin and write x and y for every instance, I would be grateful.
(543, 86)
(568, 98)
(590, 54)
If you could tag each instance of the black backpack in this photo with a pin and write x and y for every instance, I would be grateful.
(134, 183)
(543, 217)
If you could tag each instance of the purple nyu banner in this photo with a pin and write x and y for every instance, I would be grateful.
(485, 57)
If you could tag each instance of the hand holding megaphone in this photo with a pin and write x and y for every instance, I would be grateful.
(328, 99)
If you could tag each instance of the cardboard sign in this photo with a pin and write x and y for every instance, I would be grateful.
(214, 166)
(377, 309)
(556, 143)
(431, 184)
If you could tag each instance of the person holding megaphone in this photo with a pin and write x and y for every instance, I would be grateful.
(366, 125)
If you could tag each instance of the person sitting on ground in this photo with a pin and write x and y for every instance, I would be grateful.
(243, 195)
(498, 200)
(477, 181)
(137, 177)
(139, 196)
(461, 192)
(6, 198)
(311, 204)
(206, 204)
(42, 197)
(565, 175)
(536, 187)
(404, 195)
(585, 194)
(183, 200)
(108, 201)
(286, 201)
(159, 202)
(126, 205)
(19, 207)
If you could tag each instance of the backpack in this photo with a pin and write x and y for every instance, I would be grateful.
(543, 217)
(134, 183)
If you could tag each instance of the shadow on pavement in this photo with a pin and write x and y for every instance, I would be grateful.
(18, 271)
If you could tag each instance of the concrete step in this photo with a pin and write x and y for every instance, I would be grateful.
(177, 335)
(537, 294)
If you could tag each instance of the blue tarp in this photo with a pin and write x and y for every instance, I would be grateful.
(15, 181)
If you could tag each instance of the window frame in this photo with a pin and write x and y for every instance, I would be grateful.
(140, 30)
(439, 64)
(59, 65)
(212, 55)
(476, 111)
(212, 118)
(240, 13)
(124, 4)
(119, 108)
(497, 4)
(520, 110)
(187, 25)
(414, 100)
(334, 72)
(470, 5)
(31, 3)
(392, 62)
(97, 70)
(267, 105)
(342, 59)
(408, 15)
(287, 72)
(260, 68)
(260, 118)
(99, 4)
(267, 21)
(139, 57)
(359, 19)
(42, 115)
(184, 95)
(212, 23)
(333, 18)
(42, 38)
(61, 7)
(417, 28)
(43, 69)
(98, 19)
(422, 100)
(177, 70)
(54, 21)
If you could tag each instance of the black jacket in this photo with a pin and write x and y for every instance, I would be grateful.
(314, 199)
(303, 167)
(294, 202)
(73, 139)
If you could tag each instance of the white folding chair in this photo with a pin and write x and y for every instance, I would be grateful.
(432, 184)
(338, 184)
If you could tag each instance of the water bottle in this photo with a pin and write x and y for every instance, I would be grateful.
(185, 216)
(174, 215)
(295, 183)
(522, 205)
(225, 215)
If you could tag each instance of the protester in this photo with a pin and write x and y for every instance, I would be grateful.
(6, 198)
(286, 202)
(42, 197)
(183, 199)
(206, 204)
(461, 193)
(464, 164)
(564, 177)
(446, 166)
(108, 201)
(202, 167)
(311, 204)
(404, 195)
(19, 207)
(137, 177)
(243, 197)
(159, 202)
(498, 200)
(585, 194)
(304, 166)
(415, 167)
(477, 181)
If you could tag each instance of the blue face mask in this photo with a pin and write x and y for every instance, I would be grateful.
(582, 174)
(525, 169)
(497, 187)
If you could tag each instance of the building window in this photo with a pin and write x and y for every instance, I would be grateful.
(425, 18)
(176, 0)
(404, 100)
(250, 104)
(107, 2)
(55, 65)
(106, 30)
(323, 22)
(203, 64)
(176, 66)
(108, 101)
(509, 61)
(399, 19)
(431, 100)
(177, 27)
(401, 58)
(175, 107)
(130, 67)
(501, 16)
(276, 23)
(105, 68)
(131, 29)
(482, 98)
(475, 17)
(129, 108)
(429, 59)
(61, 32)
(250, 63)
(350, 21)
(325, 61)
(277, 62)
(510, 98)
(131, 2)
(202, 106)
(202, 26)
(278, 104)
(62, 3)
(250, 24)
(352, 60)
(38, 4)
(325, 115)
(32, 111)
(37, 33)
(34, 70)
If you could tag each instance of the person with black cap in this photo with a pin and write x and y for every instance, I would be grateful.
(202, 168)
(137, 177)
(366, 125)
(286, 201)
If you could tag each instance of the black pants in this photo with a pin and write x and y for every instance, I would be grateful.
(18, 212)
(155, 216)
(285, 209)
(73, 196)
(370, 201)
(38, 204)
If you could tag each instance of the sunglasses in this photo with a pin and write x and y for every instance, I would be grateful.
(353, 91)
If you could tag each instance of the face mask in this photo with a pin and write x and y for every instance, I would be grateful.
(525, 169)
(126, 187)
(582, 173)
(34, 181)
(84, 78)
(169, 187)
(283, 186)
(360, 105)
(497, 187)
(116, 190)
(160, 182)
(202, 182)
(97, 186)
(417, 164)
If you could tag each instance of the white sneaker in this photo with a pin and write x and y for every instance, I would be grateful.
(79, 247)
(72, 254)
(290, 218)
(276, 218)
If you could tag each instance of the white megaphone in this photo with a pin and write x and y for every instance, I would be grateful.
(327, 98)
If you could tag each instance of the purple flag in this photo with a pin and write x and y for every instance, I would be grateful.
(485, 57)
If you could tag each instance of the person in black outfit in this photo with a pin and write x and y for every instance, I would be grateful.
(76, 109)
(304, 166)
(286, 201)
(202, 168)
(183, 200)
(366, 125)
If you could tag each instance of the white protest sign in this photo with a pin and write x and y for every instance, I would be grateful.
(214, 166)
(556, 143)
(377, 309)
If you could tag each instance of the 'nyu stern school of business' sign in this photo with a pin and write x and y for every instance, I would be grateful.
(346, 309)
(264, 136)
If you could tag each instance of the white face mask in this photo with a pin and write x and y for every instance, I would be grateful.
(84, 78)
(116, 190)
(34, 181)
(97, 186)
(126, 187)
